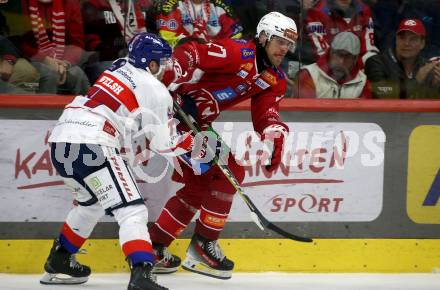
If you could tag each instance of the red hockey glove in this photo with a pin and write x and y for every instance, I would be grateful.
(273, 138)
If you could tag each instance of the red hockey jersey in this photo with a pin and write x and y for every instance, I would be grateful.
(215, 76)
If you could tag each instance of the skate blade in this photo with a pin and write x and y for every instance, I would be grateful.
(198, 267)
(163, 270)
(61, 279)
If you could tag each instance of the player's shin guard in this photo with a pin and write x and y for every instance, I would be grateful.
(171, 222)
(205, 257)
(62, 268)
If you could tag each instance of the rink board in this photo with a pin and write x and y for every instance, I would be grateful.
(255, 255)
(400, 232)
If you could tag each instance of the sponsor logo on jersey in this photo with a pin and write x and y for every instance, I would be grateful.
(247, 53)
(243, 74)
(109, 129)
(214, 221)
(241, 88)
(270, 78)
(161, 23)
(111, 84)
(247, 66)
(127, 75)
(95, 182)
(262, 84)
(240, 40)
(172, 24)
(225, 94)
(316, 27)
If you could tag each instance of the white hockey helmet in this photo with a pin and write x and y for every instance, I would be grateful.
(275, 23)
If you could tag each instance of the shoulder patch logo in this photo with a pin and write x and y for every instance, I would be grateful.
(270, 78)
(247, 53)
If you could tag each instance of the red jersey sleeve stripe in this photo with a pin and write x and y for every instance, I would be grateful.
(98, 96)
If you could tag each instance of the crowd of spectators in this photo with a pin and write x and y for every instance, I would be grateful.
(346, 48)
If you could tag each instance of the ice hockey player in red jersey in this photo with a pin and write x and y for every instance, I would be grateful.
(209, 78)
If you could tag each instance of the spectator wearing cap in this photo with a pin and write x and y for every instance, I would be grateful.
(17, 75)
(401, 72)
(337, 74)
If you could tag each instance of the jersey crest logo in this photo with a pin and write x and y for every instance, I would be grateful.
(241, 88)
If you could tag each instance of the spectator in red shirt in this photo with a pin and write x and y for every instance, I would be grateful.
(107, 30)
(206, 19)
(54, 41)
(329, 17)
(337, 74)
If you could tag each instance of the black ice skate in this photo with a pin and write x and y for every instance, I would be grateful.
(166, 263)
(142, 278)
(62, 268)
(206, 257)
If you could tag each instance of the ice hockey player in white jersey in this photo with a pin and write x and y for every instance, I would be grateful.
(128, 98)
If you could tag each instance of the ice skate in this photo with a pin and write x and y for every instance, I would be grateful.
(142, 278)
(166, 263)
(206, 257)
(62, 268)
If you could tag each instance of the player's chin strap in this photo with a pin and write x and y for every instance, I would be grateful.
(256, 215)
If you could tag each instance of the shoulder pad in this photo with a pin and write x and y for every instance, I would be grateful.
(117, 64)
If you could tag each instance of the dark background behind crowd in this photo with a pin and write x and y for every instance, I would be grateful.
(392, 50)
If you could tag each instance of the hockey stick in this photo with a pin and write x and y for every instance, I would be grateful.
(256, 215)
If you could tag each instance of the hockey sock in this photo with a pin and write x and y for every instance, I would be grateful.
(210, 224)
(133, 233)
(138, 251)
(173, 219)
(70, 241)
(79, 225)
